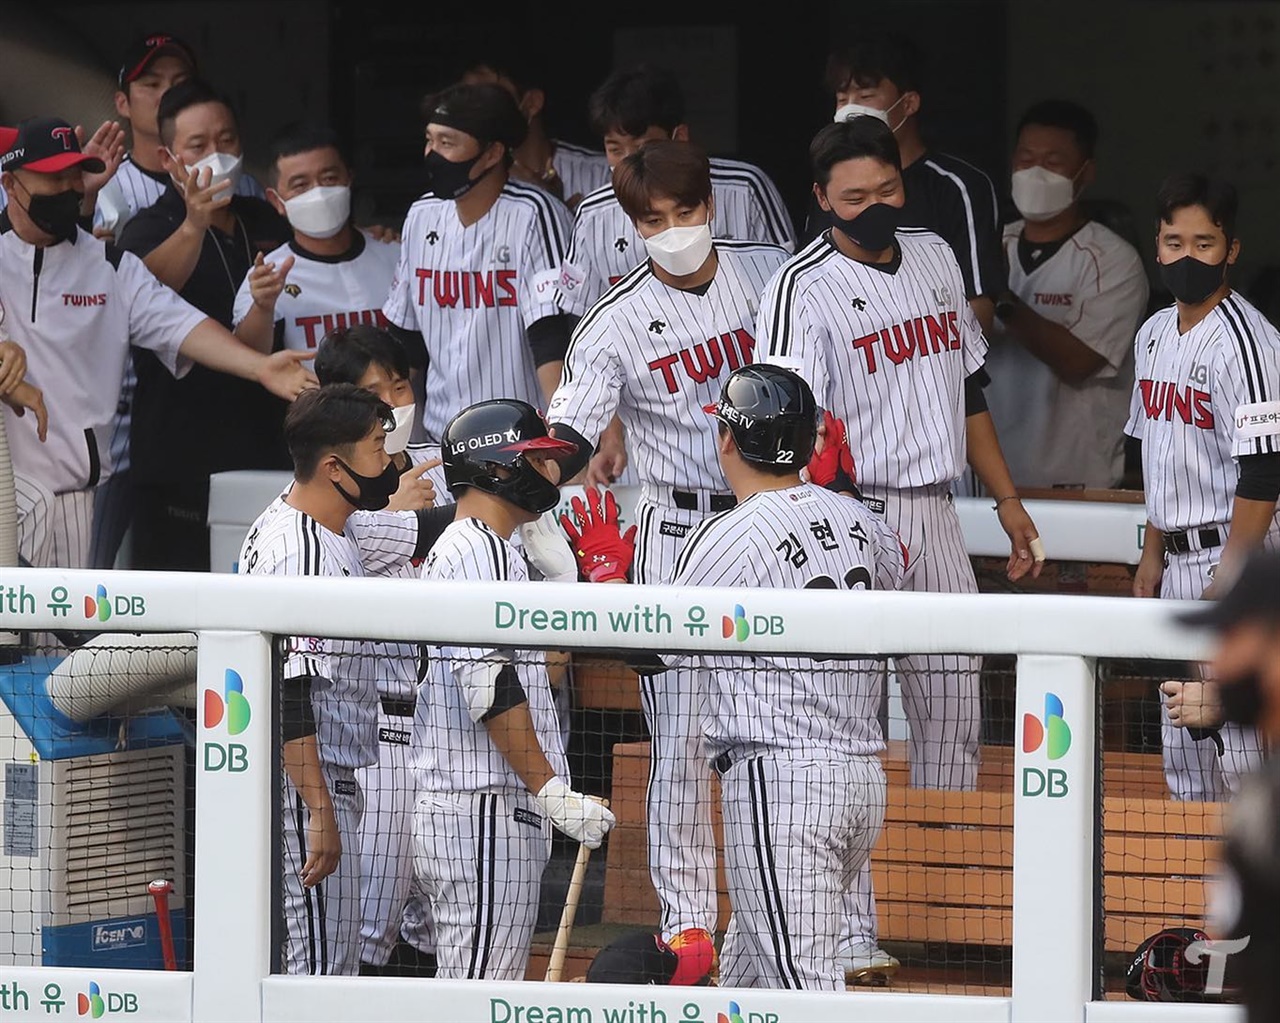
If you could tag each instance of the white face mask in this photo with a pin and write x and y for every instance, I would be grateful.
(680, 250)
(224, 166)
(398, 438)
(320, 212)
(1040, 194)
(851, 110)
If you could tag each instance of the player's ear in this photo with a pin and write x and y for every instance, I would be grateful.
(122, 103)
(532, 102)
(1233, 251)
(821, 197)
(680, 133)
(910, 104)
(277, 203)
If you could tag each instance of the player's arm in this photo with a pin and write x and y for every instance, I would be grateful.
(301, 760)
(987, 461)
(585, 403)
(1071, 360)
(173, 260)
(496, 699)
(211, 345)
(1150, 570)
(1251, 516)
(255, 309)
(548, 340)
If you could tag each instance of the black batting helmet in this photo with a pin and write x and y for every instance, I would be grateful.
(1161, 972)
(771, 413)
(493, 435)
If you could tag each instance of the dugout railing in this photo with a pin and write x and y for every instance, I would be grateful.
(1056, 814)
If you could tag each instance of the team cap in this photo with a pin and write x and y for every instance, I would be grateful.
(144, 50)
(45, 145)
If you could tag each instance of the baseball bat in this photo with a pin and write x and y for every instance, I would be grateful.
(555, 965)
(160, 889)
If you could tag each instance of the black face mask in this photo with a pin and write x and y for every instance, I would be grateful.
(1241, 698)
(55, 214)
(375, 491)
(447, 179)
(873, 228)
(1191, 281)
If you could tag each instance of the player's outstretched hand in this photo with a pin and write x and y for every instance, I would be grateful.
(24, 397)
(547, 550)
(415, 491)
(13, 365)
(1027, 555)
(107, 144)
(283, 374)
(831, 464)
(581, 817)
(324, 846)
(602, 551)
(266, 281)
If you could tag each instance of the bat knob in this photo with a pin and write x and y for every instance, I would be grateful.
(160, 886)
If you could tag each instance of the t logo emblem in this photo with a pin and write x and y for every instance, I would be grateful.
(63, 135)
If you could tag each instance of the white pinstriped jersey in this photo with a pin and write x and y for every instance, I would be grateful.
(581, 170)
(344, 697)
(419, 453)
(656, 355)
(1200, 401)
(452, 753)
(803, 537)
(322, 294)
(606, 245)
(473, 292)
(886, 348)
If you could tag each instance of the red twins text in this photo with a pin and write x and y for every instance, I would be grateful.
(1163, 400)
(316, 327)
(472, 289)
(84, 299)
(703, 362)
(922, 336)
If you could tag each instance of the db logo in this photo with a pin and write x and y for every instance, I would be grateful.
(102, 606)
(233, 706)
(1054, 735)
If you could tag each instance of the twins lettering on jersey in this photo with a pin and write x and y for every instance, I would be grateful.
(316, 327)
(474, 289)
(1052, 298)
(78, 300)
(1164, 400)
(922, 336)
(703, 362)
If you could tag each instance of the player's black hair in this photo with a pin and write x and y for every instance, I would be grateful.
(636, 99)
(1067, 115)
(191, 93)
(870, 59)
(298, 137)
(344, 355)
(1187, 188)
(849, 140)
(329, 419)
(662, 169)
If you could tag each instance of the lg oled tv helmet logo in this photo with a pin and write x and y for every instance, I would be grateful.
(1053, 734)
(232, 707)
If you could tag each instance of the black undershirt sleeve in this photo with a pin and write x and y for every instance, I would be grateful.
(297, 719)
(1259, 477)
(549, 338)
(975, 401)
(570, 467)
(507, 693)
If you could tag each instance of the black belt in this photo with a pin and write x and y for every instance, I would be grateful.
(1179, 541)
(398, 708)
(688, 501)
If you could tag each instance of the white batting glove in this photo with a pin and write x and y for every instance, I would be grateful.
(548, 550)
(579, 816)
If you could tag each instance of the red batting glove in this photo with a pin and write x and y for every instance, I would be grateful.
(835, 459)
(602, 551)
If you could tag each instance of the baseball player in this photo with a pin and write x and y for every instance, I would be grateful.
(1206, 407)
(374, 361)
(330, 275)
(479, 259)
(795, 742)
(652, 352)
(489, 759)
(336, 436)
(875, 319)
(633, 107)
(76, 304)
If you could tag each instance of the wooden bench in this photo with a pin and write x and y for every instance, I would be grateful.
(942, 868)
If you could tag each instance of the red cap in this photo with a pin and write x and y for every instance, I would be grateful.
(45, 145)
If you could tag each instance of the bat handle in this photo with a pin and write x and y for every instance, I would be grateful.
(555, 965)
(160, 889)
